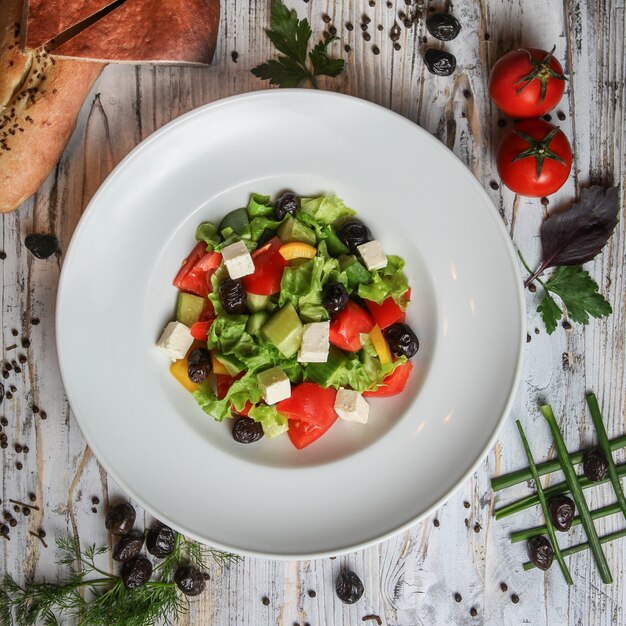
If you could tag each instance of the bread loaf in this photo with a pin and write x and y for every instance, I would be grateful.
(40, 100)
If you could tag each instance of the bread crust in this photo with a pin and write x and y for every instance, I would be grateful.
(45, 19)
(40, 100)
(150, 31)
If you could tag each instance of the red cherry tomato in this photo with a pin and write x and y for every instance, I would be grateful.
(310, 411)
(394, 383)
(347, 325)
(195, 273)
(200, 330)
(388, 312)
(534, 158)
(526, 83)
(269, 265)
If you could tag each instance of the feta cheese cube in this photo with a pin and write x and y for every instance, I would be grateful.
(175, 341)
(274, 384)
(373, 255)
(315, 343)
(351, 406)
(237, 259)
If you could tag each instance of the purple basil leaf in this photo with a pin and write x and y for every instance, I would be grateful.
(577, 235)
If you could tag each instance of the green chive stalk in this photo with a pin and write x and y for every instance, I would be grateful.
(605, 446)
(544, 507)
(578, 496)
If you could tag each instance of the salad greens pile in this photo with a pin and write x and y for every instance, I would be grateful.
(302, 285)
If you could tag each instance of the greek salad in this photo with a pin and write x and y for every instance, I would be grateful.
(289, 315)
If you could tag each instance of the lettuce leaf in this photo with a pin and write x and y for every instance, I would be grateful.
(273, 422)
(390, 281)
(259, 225)
(207, 232)
(230, 236)
(244, 390)
(303, 287)
(325, 209)
(259, 205)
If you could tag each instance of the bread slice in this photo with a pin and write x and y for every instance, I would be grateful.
(40, 99)
(150, 31)
(45, 19)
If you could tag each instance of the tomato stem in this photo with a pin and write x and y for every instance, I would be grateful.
(542, 71)
(539, 149)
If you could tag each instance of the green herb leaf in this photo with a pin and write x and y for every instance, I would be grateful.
(579, 293)
(291, 36)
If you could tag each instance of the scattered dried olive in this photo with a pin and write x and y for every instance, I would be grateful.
(562, 511)
(402, 340)
(190, 581)
(161, 540)
(136, 572)
(443, 26)
(42, 246)
(335, 298)
(349, 587)
(120, 519)
(595, 465)
(199, 365)
(128, 548)
(232, 296)
(353, 233)
(540, 552)
(287, 203)
(439, 62)
(246, 430)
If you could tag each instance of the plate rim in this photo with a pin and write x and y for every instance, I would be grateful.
(264, 93)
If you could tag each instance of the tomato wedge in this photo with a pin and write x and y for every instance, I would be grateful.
(394, 383)
(385, 314)
(195, 273)
(347, 326)
(310, 411)
(223, 383)
(268, 269)
(200, 330)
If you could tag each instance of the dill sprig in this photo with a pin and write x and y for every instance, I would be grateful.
(96, 597)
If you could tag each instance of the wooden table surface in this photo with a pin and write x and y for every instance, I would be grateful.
(412, 578)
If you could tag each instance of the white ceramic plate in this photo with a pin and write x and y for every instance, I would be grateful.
(358, 484)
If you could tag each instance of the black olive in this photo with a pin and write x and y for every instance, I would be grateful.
(540, 552)
(136, 572)
(246, 430)
(335, 298)
(443, 26)
(287, 203)
(161, 540)
(402, 340)
(595, 465)
(562, 511)
(349, 587)
(128, 547)
(120, 519)
(189, 580)
(353, 233)
(439, 62)
(232, 296)
(199, 365)
(42, 246)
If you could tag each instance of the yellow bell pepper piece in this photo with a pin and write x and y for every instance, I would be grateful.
(297, 250)
(380, 345)
(217, 366)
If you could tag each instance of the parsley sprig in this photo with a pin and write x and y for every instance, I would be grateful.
(296, 65)
(96, 597)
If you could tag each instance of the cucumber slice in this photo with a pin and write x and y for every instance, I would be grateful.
(345, 260)
(237, 220)
(256, 321)
(189, 308)
(324, 373)
(256, 302)
(284, 330)
(357, 274)
(294, 230)
(233, 366)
